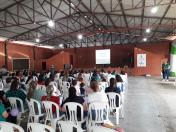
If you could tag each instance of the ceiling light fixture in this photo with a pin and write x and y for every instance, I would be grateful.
(61, 45)
(51, 23)
(80, 36)
(37, 40)
(148, 30)
(144, 39)
(154, 10)
(72, 5)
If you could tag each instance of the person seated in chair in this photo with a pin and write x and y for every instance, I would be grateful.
(113, 87)
(96, 96)
(3, 112)
(15, 91)
(74, 98)
(49, 97)
(35, 93)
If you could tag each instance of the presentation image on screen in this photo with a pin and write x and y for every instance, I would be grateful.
(103, 56)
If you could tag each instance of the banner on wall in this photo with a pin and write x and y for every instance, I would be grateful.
(141, 60)
(173, 59)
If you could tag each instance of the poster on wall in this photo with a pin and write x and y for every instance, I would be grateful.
(141, 60)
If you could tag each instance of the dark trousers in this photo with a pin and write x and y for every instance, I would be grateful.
(163, 73)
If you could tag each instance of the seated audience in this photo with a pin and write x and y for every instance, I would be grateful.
(119, 82)
(3, 112)
(82, 89)
(113, 72)
(74, 98)
(35, 93)
(56, 92)
(1, 84)
(29, 78)
(41, 79)
(15, 91)
(75, 84)
(7, 84)
(3, 98)
(50, 97)
(95, 76)
(80, 76)
(96, 96)
(113, 87)
(47, 81)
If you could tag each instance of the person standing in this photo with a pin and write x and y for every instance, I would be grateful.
(167, 71)
(163, 71)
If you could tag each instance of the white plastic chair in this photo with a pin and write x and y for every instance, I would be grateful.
(60, 83)
(66, 126)
(98, 113)
(37, 127)
(71, 78)
(121, 86)
(13, 102)
(114, 105)
(50, 116)
(101, 129)
(103, 86)
(72, 111)
(125, 81)
(35, 110)
(57, 77)
(56, 92)
(10, 127)
(41, 87)
(65, 88)
(66, 85)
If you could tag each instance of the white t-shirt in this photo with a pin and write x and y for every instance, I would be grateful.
(1, 86)
(77, 87)
(97, 97)
(56, 92)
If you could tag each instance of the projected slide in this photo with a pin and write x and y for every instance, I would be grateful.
(103, 56)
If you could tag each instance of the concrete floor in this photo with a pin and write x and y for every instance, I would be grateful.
(150, 106)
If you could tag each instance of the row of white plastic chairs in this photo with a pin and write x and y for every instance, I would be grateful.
(72, 108)
(35, 112)
(64, 126)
